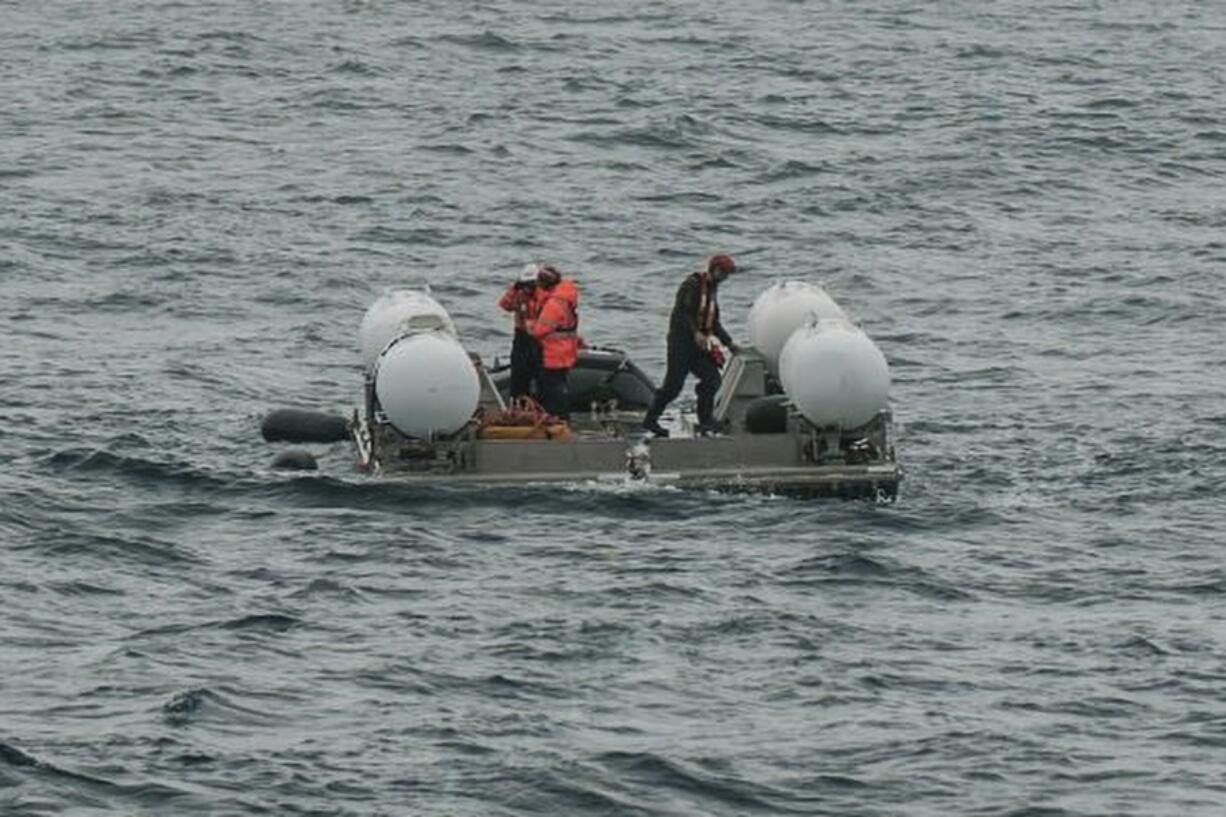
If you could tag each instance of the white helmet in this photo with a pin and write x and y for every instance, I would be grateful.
(528, 274)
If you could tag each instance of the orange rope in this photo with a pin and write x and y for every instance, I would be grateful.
(523, 411)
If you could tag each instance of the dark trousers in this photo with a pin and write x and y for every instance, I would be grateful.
(555, 396)
(525, 363)
(684, 357)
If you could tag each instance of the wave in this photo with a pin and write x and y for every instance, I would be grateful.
(676, 133)
(485, 41)
(92, 462)
(203, 705)
(858, 570)
(659, 774)
(255, 622)
(75, 790)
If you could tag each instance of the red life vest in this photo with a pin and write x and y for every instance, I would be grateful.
(706, 304)
(556, 325)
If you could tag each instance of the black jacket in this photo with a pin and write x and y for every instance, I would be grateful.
(683, 323)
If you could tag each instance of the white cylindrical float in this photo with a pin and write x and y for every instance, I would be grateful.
(782, 309)
(426, 384)
(397, 312)
(834, 374)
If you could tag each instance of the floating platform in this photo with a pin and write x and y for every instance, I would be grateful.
(764, 445)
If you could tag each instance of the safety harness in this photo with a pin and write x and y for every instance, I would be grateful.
(706, 304)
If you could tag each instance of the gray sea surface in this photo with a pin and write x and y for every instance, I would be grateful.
(1021, 202)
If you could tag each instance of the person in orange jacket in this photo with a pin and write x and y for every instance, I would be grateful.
(556, 328)
(521, 300)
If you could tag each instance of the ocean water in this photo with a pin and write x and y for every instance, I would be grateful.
(1022, 204)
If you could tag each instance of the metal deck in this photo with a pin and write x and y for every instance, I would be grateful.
(799, 460)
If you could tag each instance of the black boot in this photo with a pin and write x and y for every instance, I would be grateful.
(652, 424)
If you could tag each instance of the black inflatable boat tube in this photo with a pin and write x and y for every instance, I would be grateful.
(301, 426)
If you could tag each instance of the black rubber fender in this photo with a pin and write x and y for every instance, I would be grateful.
(302, 426)
(295, 460)
(767, 415)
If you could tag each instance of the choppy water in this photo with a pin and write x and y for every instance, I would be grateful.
(1022, 202)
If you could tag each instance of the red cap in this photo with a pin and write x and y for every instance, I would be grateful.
(721, 262)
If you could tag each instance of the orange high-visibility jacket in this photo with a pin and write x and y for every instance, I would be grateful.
(524, 302)
(557, 325)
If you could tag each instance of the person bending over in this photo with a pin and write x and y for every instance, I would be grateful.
(692, 328)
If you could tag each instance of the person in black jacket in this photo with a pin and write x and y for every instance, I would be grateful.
(521, 300)
(692, 328)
